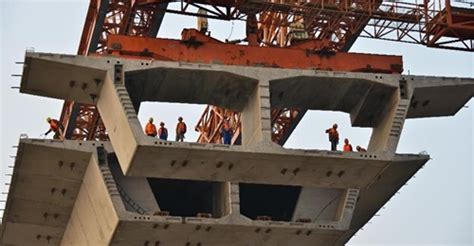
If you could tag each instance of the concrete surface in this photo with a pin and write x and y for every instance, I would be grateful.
(46, 179)
(86, 207)
(377, 102)
(96, 193)
(93, 211)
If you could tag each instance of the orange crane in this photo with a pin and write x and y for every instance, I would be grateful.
(320, 29)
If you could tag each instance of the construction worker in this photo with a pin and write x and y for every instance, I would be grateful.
(180, 130)
(347, 146)
(226, 132)
(56, 127)
(333, 137)
(163, 132)
(150, 128)
(360, 149)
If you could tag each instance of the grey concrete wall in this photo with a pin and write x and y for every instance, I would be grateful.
(93, 220)
(386, 133)
(122, 123)
(135, 188)
(256, 116)
(318, 203)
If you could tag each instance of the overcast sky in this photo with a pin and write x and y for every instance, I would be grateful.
(435, 208)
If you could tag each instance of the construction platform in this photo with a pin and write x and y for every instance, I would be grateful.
(124, 191)
(62, 191)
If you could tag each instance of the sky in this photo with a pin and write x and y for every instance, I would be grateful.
(434, 208)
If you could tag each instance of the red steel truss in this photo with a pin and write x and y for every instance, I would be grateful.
(318, 25)
(211, 121)
(104, 17)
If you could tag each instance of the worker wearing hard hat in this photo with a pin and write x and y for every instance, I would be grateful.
(333, 137)
(56, 127)
(163, 132)
(180, 130)
(150, 128)
(226, 132)
(347, 146)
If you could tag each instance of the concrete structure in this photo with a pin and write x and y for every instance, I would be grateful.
(137, 190)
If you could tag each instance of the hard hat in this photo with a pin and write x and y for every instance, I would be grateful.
(150, 119)
(48, 119)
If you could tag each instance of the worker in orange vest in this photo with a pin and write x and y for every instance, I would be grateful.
(150, 128)
(226, 132)
(163, 132)
(180, 130)
(333, 137)
(360, 149)
(56, 127)
(347, 146)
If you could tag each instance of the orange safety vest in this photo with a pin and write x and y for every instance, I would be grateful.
(181, 127)
(54, 125)
(333, 134)
(347, 148)
(150, 129)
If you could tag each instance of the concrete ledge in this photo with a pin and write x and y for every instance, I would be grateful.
(238, 164)
(440, 96)
(378, 194)
(46, 179)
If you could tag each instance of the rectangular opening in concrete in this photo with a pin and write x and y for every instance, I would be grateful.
(311, 133)
(204, 124)
(364, 96)
(291, 203)
(198, 86)
(179, 86)
(268, 202)
(189, 198)
(169, 113)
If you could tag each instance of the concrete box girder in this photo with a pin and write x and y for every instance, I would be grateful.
(140, 229)
(101, 191)
(37, 218)
(140, 155)
(100, 211)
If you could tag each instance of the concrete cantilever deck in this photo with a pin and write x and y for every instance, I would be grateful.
(94, 193)
(118, 86)
(62, 191)
(46, 180)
